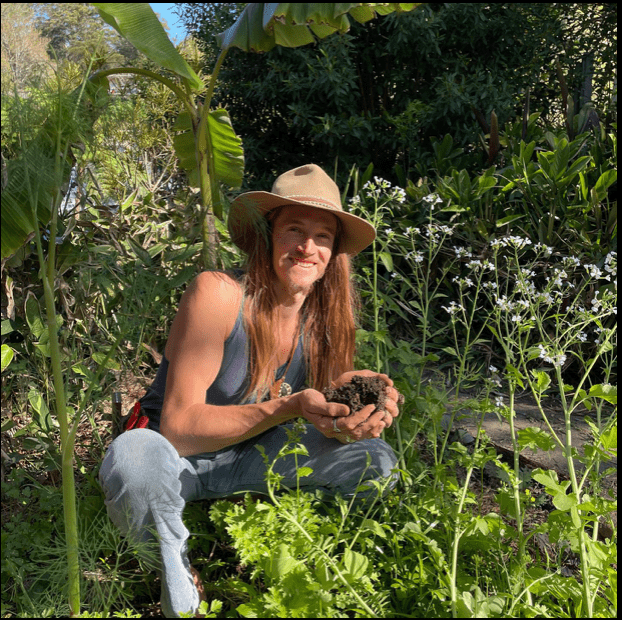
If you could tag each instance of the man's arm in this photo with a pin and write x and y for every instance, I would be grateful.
(195, 349)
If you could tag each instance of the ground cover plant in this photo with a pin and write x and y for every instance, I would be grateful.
(483, 285)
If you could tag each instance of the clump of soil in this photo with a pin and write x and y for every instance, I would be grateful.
(359, 392)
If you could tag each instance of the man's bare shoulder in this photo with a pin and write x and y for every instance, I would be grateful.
(218, 284)
(220, 295)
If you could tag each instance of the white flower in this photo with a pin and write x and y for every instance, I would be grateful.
(399, 194)
(462, 252)
(499, 401)
(453, 308)
(594, 271)
(572, 261)
(433, 198)
(416, 256)
(504, 304)
(557, 360)
(546, 250)
(611, 264)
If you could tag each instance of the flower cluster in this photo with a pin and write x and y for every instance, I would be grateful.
(374, 189)
(453, 308)
(510, 241)
(416, 256)
(479, 264)
(557, 360)
(432, 200)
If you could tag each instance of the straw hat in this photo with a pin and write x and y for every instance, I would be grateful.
(308, 186)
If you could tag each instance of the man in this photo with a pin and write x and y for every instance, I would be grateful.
(240, 353)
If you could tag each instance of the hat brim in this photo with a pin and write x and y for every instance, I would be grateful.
(248, 210)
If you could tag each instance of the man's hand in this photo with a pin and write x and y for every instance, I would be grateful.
(332, 419)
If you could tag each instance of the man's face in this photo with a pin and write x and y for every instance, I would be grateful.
(302, 241)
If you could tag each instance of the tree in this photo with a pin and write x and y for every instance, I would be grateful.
(75, 33)
(24, 57)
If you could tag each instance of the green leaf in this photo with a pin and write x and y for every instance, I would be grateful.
(302, 472)
(535, 438)
(136, 22)
(140, 252)
(514, 375)
(7, 327)
(355, 564)
(41, 411)
(387, 260)
(373, 526)
(549, 479)
(7, 356)
(606, 179)
(280, 563)
(33, 317)
(608, 438)
(262, 26)
(542, 380)
(508, 219)
(34, 178)
(564, 502)
(100, 358)
(226, 145)
(30, 185)
(606, 392)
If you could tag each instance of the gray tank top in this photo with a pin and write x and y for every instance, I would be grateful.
(233, 377)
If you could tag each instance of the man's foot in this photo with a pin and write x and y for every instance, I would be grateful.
(199, 586)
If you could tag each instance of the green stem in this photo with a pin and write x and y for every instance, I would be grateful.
(376, 304)
(516, 489)
(182, 96)
(585, 569)
(210, 195)
(69, 492)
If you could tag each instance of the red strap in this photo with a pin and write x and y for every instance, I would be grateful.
(136, 420)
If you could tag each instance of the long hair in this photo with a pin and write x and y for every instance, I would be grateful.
(329, 316)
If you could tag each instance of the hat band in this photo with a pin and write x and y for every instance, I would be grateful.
(317, 200)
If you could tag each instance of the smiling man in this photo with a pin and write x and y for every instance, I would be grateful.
(246, 355)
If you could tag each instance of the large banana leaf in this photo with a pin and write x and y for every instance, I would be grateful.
(261, 26)
(226, 146)
(136, 22)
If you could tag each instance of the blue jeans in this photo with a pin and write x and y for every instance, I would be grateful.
(147, 484)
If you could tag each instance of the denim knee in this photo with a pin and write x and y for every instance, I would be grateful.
(369, 460)
(136, 459)
(139, 468)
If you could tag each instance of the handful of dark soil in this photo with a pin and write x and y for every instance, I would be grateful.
(359, 392)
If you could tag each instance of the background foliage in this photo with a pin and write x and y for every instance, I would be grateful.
(386, 88)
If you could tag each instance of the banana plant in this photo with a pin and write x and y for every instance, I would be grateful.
(208, 148)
